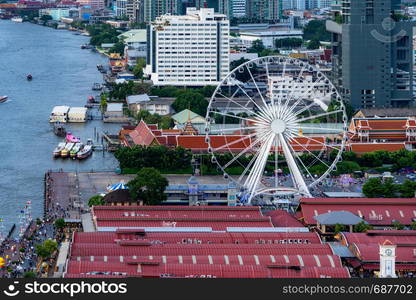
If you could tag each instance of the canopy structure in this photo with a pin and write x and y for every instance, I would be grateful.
(117, 186)
(338, 217)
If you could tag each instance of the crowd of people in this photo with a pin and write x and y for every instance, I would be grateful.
(19, 253)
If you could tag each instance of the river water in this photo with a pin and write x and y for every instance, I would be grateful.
(63, 74)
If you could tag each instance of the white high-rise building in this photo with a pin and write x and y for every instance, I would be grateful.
(238, 8)
(189, 50)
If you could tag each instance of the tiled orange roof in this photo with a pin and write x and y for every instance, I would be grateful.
(197, 142)
(142, 135)
(371, 147)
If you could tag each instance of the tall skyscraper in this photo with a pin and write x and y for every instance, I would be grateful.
(264, 10)
(190, 50)
(156, 8)
(232, 8)
(372, 54)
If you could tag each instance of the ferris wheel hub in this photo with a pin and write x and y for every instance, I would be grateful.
(278, 126)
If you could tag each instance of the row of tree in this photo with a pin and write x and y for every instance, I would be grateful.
(386, 188)
(148, 187)
(159, 157)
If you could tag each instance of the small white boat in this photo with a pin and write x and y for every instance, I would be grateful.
(75, 150)
(3, 99)
(17, 19)
(68, 147)
(85, 152)
(58, 149)
(97, 87)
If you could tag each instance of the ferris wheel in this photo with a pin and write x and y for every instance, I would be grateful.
(282, 124)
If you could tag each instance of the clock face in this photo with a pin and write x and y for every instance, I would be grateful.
(388, 252)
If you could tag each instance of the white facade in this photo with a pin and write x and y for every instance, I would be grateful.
(239, 8)
(189, 50)
(121, 8)
(59, 114)
(287, 87)
(387, 260)
(268, 37)
(77, 114)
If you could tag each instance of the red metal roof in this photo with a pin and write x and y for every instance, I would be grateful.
(198, 249)
(370, 253)
(396, 237)
(207, 271)
(201, 237)
(281, 218)
(376, 211)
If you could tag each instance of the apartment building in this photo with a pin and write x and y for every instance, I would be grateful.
(189, 50)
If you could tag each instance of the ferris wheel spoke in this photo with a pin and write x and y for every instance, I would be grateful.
(300, 160)
(290, 96)
(304, 109)
(223, 130)
(297, 177)
(325, 130)
(300, 97)
(310, 152)
(260, 108)
(241, 153)
(319, 142)
(235, 142)
(320, 115)
(259, 166)
(257, 87)
(242, 106)
(249, 165)
(254, 171)
(241, 118)
(276, 161)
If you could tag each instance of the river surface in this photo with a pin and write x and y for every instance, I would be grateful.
(63, 74)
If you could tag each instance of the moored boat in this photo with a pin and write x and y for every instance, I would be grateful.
(97, 87)
(77, 147)
(65, 152)
(70, 138)
(85, 152)
(3, 99)
(29, 77)
(17, 19)
(58, 149)
(59, 129)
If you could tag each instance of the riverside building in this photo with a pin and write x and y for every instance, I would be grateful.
(189, 50)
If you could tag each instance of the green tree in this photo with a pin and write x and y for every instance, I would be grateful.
(339, 228)
(50, 245)
(46, 18)
(373, 188)
(313, 44)
(103, 102)
(316, 30)
(138, 69)
(407, 189)
(140, 88)
(60, 224)
(148, 186)
(362, 227)
(42, 251)
(347, 167)
(288, 43)
(256, 47)
(191, 100)
(118, 48)
(413, 225)
(397, 225)
(96, 200)
(29, 274)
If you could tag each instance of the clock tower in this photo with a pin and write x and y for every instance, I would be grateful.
(387, 260)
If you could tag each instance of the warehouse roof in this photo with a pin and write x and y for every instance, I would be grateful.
(376, 211)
